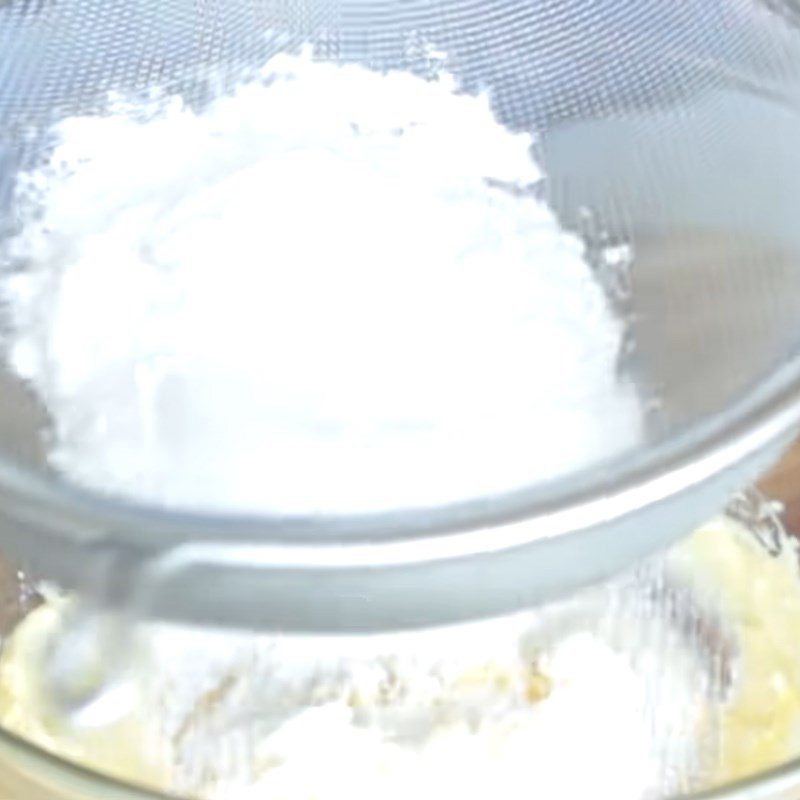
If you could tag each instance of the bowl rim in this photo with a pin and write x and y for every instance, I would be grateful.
(778, 783)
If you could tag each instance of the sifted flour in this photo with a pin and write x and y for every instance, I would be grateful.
(333, 290)
(509, 707)
(673, 678)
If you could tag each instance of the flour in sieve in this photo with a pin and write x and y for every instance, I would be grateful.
(333, 290)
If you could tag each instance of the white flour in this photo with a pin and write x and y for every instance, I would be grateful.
(621, 693)
(315, 296)
(503, 708)
(333, 290)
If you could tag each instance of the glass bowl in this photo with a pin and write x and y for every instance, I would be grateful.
(29, 773)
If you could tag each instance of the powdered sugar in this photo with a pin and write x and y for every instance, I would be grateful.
(491, 707)
(618, 692)
(607, 694)
(333, 290)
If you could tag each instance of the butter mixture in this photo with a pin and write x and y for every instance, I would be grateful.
(609, 694)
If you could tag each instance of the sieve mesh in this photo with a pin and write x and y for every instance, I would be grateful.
(671, 90)
(544, 60)
(666, 128)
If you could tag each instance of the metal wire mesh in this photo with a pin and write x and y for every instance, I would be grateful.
(544, 60)
(547, 64)
(671, 127)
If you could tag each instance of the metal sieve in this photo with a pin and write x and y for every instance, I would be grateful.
(667, 129)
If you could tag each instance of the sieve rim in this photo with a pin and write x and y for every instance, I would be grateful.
(767, 415)
(412, 569)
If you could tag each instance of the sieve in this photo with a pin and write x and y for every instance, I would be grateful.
(667, 130)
